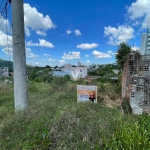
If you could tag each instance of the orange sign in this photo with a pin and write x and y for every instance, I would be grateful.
(86, 93)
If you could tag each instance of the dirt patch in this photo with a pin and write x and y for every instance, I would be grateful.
(110, 100)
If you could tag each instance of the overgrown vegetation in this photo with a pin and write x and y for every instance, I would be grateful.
(123, 51)
(54, 120)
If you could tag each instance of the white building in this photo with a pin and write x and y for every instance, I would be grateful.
(4, 71)
(145, 44)
(81, 71)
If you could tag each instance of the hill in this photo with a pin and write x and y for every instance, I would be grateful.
(5, 63)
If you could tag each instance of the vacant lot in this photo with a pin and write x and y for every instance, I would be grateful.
(54, 120)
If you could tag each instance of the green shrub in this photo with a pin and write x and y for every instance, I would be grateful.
(126, 106)
(117, 88)
(102, 88)
(131, 135)
(32, 87)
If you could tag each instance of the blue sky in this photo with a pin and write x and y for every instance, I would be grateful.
(67, 31)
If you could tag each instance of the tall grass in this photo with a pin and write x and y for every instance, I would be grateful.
(55, 121)
(131, 135)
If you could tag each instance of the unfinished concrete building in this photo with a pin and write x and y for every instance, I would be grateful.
(136, 78)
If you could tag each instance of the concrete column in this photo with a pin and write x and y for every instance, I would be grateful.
(19, 56)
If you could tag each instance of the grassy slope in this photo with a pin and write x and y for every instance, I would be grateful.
(5, 63)
(54, 120)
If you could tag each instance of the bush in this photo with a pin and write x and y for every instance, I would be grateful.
(102, 88)
(131, 135)
(126, 106)
(32, 87)
(117, 88)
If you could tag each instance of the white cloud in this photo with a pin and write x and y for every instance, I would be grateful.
(68, 31)
(140, 10)
(71, 55)
(98, 54)
(88, 61)
(62, 61)
(111, 52)
(42, 43)
(40, 33)
(3, 24)
(27, 31)
(87, 46)
(8, 51)
(35, 20)
(135, 48)
(36, 63)
(30, 54)
(47, 55)
(30, 43)
(50, 59)
(3, 39)
(86, 55)
(136, 23)
(118, 35)
(77, 32)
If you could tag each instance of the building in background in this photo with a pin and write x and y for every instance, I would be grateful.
(92, 68)
(4, 71)
(145, 44)
(68, 69)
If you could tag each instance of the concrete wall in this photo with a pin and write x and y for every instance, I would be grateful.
(136, 82)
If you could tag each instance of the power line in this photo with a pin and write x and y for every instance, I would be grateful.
(3, 16)
(3, 12)
(7, 38)
(1, 4)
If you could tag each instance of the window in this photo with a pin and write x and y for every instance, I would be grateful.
(132, 94)
(146, 81)
(134, 81)
(146, 68)
(139, 56)
(131, 62)
(131, 56)
(145, 91)
(140, 89)
(131, 69)
(141, 68)
(142, 103)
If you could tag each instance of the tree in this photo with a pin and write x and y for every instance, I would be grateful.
(122, 53)
(47, 66)
(56, 67)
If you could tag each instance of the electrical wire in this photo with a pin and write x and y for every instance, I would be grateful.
(3, 12)
(1, 4)
(7, 38)
(3, 16)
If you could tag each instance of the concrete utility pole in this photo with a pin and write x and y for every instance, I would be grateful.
(19, 56)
